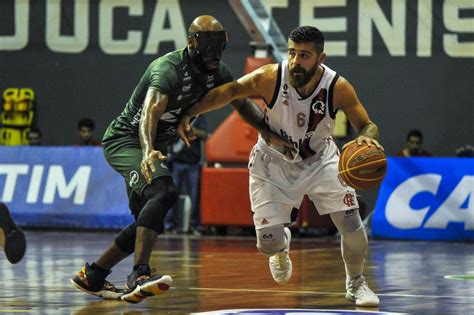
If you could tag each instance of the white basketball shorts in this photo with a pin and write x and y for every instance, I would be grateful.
(277, 186)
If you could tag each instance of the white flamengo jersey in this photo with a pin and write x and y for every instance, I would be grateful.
(306, 122)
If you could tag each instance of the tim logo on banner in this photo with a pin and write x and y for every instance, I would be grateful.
(62, 187)
(426, 198)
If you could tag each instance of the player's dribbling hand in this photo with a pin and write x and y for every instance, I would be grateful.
(148, 164)
(361, 139)
(273, 139)
(185, 131)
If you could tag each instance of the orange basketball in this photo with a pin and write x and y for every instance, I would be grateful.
(362, 167)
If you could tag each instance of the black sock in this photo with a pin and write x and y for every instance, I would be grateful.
(94, 266)
(140, 265)
(142, 269)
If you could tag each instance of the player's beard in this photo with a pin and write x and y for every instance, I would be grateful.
(299, 77)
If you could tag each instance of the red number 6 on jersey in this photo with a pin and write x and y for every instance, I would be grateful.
(301, 119)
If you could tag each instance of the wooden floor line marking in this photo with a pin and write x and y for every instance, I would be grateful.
(327, 293)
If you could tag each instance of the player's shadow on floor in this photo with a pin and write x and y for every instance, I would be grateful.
(106, 307)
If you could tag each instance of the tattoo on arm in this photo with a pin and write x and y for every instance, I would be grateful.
(251, 113)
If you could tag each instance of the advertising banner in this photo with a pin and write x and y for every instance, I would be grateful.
(62, 187)
(426, 199)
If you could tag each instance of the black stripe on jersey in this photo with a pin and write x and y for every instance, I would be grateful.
(332, 112)
(277, 89)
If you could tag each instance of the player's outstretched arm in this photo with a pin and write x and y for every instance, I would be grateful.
(224, 94)
(153, 109)
(250, 112)
(345, 98)
(254, 116)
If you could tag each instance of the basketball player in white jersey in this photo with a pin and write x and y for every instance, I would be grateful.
(302, 96)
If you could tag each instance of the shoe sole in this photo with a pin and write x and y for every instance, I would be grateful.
(106, 295)
(14, 242)
(352, 299)
(151, 288)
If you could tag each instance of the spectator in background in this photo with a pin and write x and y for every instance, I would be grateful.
(186, 170)
(413, 145)
(34, 136)
(86, 127)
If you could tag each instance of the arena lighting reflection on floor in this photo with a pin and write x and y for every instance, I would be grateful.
(293, 311)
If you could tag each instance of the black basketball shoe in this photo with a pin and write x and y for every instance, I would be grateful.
(142, 284)
(91, 279)
(12, 238)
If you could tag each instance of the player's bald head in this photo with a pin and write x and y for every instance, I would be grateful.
(205, 23)
(207, 40)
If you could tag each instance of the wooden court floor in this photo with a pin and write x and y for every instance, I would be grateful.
(221, 273)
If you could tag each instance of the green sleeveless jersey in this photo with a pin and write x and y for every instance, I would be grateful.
(173, 75)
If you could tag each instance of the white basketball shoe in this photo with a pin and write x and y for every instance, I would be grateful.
(280, 263)
(358, 291)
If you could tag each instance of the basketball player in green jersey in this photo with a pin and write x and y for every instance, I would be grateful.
(135, 145)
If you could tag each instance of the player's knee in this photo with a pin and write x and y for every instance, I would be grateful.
(125, 240)
(352, 229)
(347, 221)
(171, 195)
(160, 196)
(271, 240)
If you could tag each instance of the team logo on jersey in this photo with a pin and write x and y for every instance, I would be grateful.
(318, 104)
(349, 199)
(133, 178)
(318, 107)
(316, 115)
